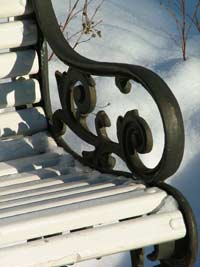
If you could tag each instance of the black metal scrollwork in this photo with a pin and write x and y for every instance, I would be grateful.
(77, 89)
(78, 99)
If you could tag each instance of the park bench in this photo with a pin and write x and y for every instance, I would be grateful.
(55, 211)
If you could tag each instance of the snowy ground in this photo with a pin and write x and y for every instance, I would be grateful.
(133, 32)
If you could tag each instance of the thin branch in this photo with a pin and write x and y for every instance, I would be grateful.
(177, 9)
(88, 25)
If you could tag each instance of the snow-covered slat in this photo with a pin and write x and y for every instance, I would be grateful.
(72, 186)
(48, 202)
(28, 186)
(95, 243)
(20, 92)
(65, 197)
(78, 215)
(36, 185)
(20, 147)
(22, 122)
(7, 180)
(20, 179)
(31, 163)
(79, 193)
(14, 8)
(18, 63)
(18, 34)
(63, 174)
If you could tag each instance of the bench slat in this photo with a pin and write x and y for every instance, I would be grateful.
(20, 92)
(22, 122)
(7, 180)
(45, 190)
(12, 8)
(19, 63)
(28, 186)
(21, 147)
(31, 163)
(78, 215)
(95, 243)
(64, 197)
(63, 193)
(18, 34)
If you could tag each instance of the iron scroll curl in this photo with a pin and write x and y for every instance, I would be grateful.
(77, 89)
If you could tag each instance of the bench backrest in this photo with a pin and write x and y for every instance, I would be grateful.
(22, 61)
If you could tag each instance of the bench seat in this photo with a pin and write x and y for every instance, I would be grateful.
(55, 212)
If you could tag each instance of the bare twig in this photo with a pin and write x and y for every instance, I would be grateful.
(88, 26)
(195, 19)
(177, 9)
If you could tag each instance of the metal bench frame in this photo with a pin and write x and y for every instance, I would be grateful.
(132, 129)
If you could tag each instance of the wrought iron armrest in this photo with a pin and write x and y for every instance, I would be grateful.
(133, 132)
(78, 98)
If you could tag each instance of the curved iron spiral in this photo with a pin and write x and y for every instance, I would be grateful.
(132, 131)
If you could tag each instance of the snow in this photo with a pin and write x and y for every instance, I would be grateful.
(135, 32)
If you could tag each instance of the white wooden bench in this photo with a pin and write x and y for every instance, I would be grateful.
(53, 211)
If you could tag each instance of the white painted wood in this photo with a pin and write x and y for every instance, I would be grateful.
(20, 92)
(22, 122)
(79, 193)
(56, 202)
(44, 173)
(20, 179)
(36, 185)
(18, 34)
(19, 147)
(15, 166)
(18, 63)
(78, 215)
(73, 187)
(95, 243)
(56, 199)
(31, 163)
(12, 8)
(28, 186)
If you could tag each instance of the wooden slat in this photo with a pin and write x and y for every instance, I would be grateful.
(18, 34)
(19, 63)
(95, 243)
(82, 192)
(44, 173)
(20, 92)
(22, 122)
(36, 185)
(78, 215)
(40, 191)
(32, 163)
(67, 178)
(14, 8)
(53, 173)
(28, 186)
(20, 147)
(56, 199)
